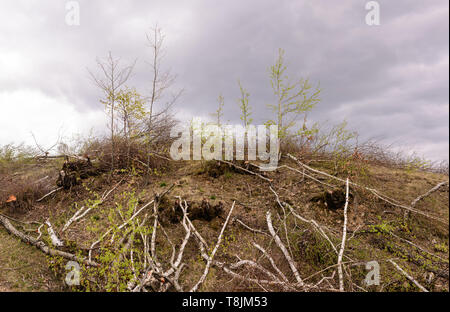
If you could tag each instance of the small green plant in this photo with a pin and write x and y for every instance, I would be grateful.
(228, 174)
(441, 247)
(228, 240)
(383, 228)
(415, 163)
(117, 269)
(219, 112)
(244, 106)
(95, 217)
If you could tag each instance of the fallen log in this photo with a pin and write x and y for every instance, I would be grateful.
(41, 245)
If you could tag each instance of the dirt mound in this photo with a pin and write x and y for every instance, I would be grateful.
(203, 210)
(332, 199)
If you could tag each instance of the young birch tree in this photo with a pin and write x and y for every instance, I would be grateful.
(219, 111)
(130, 108)
(244, 106)
(161, 81)
(112, 77)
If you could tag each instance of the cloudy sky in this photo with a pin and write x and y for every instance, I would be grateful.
(389, 82)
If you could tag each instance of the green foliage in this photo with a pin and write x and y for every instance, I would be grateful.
(341, 144)
(13, 156)
(244, 106)
(308, 133)
(227, 242)
(414, 163)
(293, 99)
(219, 112)
(383, 228)
(228, 174)
(312, 248)
(441, 247)
(130, 105)
(117, 269)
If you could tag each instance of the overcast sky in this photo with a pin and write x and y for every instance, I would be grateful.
(389, 81)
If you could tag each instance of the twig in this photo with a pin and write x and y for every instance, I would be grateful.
(48, 194)
(272, 262)
(120, 227)
(305, 175)
(420, 197)
(245, 170)
(311, 221)
(82, 212)
(249, 228)
(418, 247)
(408, 276)
(326, 278)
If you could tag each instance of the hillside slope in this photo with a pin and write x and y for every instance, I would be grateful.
(304, 203)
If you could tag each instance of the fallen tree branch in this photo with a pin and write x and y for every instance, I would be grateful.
(408, 276)
(283, 248)
(311, 221)
(248, 227)
(420, 197)
(344, 236)
(245, 170)
(83, 211)
(434, 189)
(48, 194)
(272, 262)
(120, 227)
(55, 240)
(128, 221)
(41, 245)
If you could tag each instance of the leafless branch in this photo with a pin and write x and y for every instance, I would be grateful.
(283, 248)
(407, 276)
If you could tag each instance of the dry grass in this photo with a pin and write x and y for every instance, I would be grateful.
(23, 268)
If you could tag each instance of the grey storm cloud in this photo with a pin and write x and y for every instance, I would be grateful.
(388, 81)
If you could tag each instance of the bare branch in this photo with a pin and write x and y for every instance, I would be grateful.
(408, 276)
(283, 248)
